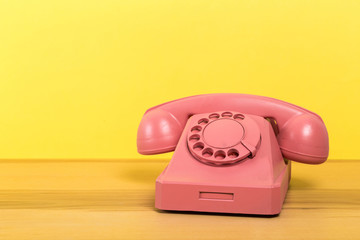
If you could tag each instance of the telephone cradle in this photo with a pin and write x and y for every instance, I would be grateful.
(231, 151)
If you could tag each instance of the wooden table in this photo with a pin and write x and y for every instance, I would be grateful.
(105, 199)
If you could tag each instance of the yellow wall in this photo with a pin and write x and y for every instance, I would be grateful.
(76, 76)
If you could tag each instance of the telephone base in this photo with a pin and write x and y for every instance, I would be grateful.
(254, 185)
(266, 200)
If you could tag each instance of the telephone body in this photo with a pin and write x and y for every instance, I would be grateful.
(232, 151)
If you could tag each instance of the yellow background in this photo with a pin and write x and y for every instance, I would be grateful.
(76, 76)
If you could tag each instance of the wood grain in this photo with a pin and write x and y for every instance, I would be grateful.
(115, 199)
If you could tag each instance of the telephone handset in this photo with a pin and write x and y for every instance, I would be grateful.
(229, 151)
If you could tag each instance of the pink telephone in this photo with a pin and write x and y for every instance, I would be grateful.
(229, 151)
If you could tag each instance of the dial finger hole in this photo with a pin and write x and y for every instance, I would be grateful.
(194, 138)
(214, 116)
(198, 146)
(203, 121)
(227, 114)
(208, 152)
(233, 153)
(239, 116)
(196, 129)
(220, 155)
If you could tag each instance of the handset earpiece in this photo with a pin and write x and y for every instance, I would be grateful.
(158, 132)
(304, 138)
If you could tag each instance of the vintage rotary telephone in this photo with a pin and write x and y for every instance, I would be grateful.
(229, 151)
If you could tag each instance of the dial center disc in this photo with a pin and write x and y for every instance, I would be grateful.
(223, 133)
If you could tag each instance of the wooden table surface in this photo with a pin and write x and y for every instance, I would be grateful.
(102, 199)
